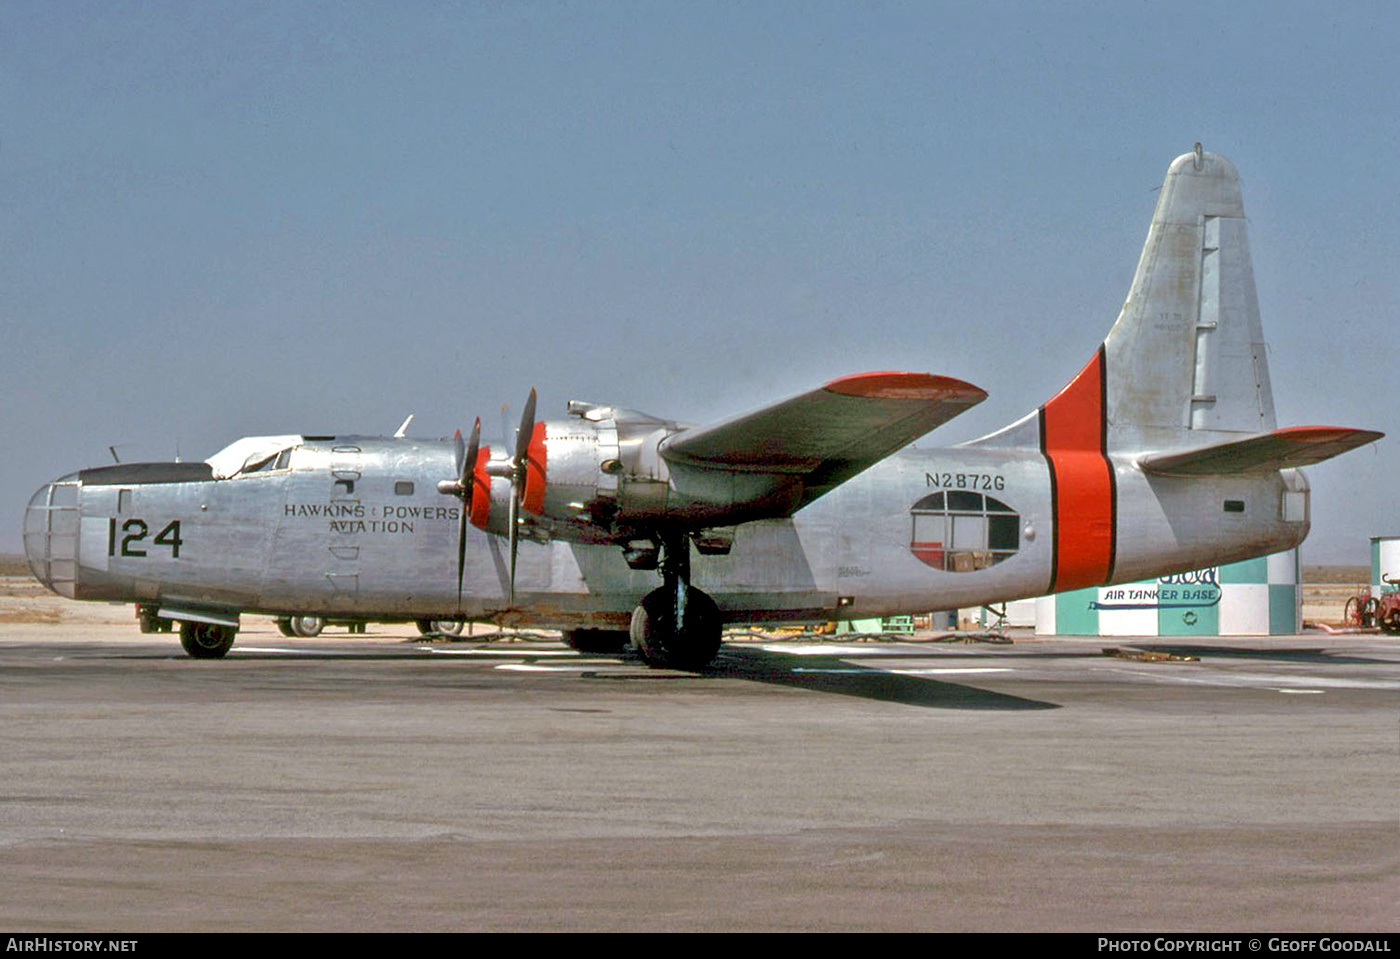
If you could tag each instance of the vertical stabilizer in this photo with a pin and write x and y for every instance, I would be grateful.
(1185, 364)
(1162, 454)
(1186, 358)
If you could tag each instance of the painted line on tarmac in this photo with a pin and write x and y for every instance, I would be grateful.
(949, 670)
(1281, 682)
(863, 651)
(580, 667)
(302, 651)
(497, 653)
(932, 671)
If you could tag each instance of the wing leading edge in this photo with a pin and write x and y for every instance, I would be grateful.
(813, 442)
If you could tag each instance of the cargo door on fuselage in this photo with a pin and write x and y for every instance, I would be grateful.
(344, 527)
(314, 561)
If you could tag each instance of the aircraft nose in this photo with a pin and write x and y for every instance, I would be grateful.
(51, 535)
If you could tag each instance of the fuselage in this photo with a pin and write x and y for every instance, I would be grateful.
(356, 526)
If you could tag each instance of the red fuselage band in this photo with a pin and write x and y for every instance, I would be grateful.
(1073, 437)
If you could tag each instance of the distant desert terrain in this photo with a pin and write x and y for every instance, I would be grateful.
(24, 600)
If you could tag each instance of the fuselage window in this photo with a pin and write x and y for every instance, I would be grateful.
(403, 488)
(959, 531)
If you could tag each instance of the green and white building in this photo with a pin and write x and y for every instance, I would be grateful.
(1257, 597)
(1385, 563)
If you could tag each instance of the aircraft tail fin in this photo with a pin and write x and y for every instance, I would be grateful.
(1185, 363)
(1186, 356)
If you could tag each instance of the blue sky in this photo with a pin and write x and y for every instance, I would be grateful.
(221, 219)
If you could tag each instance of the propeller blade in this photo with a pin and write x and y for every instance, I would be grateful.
(514, 545)
(506, 434)
(469, 463)
(466, 489)
(521, 464)
(461, 552)
(523, 434)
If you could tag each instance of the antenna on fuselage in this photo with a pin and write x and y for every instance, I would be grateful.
(399, 433)
(115, 457)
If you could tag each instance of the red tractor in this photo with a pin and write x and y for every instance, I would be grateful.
(1381, 611)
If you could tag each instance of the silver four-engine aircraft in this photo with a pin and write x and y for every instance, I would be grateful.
(1161, 455)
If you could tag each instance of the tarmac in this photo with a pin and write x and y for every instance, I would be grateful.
(384, 782)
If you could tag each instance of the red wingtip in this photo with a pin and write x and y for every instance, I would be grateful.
(891, 385)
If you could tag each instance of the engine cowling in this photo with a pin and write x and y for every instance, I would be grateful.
(589, 478)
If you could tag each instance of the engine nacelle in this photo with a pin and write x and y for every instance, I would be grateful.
(590, 478)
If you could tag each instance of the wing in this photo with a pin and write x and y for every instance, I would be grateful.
(1262, 453)
(813, 442)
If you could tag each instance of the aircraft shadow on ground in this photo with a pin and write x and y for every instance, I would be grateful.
(814, 673)
(832, 674)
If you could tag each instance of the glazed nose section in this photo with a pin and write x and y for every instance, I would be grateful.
(51, 535)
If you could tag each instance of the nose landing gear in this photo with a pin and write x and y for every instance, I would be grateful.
(206, 640)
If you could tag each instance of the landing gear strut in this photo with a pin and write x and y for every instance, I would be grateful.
(148, 622)
(676, 626)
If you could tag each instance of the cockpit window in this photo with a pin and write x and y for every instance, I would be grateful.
(253, 454)
(264, 465)
(268, 464)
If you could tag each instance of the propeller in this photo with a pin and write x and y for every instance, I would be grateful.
(464, 488)
(516, 470)
(519, 466)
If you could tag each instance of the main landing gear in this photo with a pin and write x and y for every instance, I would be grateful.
(676, 626)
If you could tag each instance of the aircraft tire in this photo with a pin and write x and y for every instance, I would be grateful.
(659, 643)
(284, 626)
(306, 626)
(206, 640)
(440, 627)
(597, 640)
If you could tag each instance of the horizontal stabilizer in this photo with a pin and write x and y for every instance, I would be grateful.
(1262, 453)
(828, 435)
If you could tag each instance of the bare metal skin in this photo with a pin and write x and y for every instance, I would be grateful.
(1162, 455)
